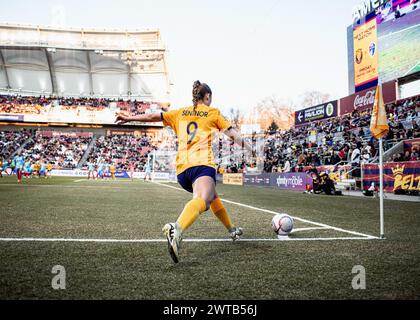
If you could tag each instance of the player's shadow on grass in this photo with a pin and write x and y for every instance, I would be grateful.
(214, 252)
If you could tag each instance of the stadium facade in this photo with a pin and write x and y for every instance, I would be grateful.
(38, 60)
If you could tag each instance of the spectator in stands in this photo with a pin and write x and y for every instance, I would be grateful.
(11, 141)
(365, 158)
(234, 168)
(407, 156)
(397, 157)
(415, 129)
(343, 153)
(287, 166)
(301, 159)
(398, 14)
(316, 161)
(335, 159)
(355, 159)
(356, 154)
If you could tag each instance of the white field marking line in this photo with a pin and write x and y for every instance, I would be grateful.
(296, 218)
(74, 186)
(119, 180)
(304, 220)
(62, 186)
(164, 240)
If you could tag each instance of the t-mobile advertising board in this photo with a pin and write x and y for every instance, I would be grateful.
(288, 181)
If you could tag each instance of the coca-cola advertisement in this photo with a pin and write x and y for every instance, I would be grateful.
(364, 100)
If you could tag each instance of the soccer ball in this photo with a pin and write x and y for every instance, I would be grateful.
(282, 224)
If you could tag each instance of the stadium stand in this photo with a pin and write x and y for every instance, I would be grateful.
(11, 141)
(66, 151)
(62, 151)
(340, 139)
(35, 105)
(123, 149)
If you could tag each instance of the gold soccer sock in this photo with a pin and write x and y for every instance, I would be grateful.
(220, 212)
(191, 212)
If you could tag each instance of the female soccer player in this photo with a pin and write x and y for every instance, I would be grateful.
(195, 166)
(42, 169)
(19, 161)
(107, 174)
(112, 170)
(27, 169)
(101, 168)
(131, 165)
(147, 172)
(49, 170)
(91, 169)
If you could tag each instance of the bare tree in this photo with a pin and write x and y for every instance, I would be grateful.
(271, 109)
(235, 116)
(313, 98)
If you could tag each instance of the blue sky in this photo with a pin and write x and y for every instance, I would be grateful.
(245, 50)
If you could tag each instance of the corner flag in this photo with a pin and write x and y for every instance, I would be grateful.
(379, 128)
(379, 122)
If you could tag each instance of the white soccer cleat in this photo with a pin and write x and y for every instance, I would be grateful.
(174, 237)
(236, 233)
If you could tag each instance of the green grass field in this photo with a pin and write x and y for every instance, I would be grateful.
(303, 268)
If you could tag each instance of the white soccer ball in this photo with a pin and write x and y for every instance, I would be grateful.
(282, 224)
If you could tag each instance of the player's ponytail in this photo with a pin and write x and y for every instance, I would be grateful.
(199, 91)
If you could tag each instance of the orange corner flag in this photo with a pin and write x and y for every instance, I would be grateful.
(379, 122)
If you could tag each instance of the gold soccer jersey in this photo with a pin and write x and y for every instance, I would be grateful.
(195, 127)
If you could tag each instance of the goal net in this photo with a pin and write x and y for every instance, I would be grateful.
(229, 155)
(163, 159)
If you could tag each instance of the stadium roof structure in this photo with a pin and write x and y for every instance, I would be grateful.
(80, 62)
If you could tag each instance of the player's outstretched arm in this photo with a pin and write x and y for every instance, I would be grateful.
(236, 136)
(121, 118)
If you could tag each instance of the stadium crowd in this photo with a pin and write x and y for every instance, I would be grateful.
(341, 140)
(346, 139)
(123, 150)
(11, 141)
(61, 151)
(64, 151)
(36, 105)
